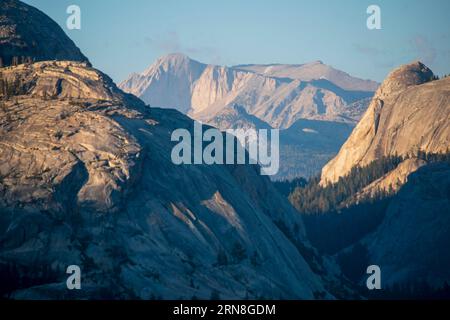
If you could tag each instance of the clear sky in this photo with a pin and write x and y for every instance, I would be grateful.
(124, 36)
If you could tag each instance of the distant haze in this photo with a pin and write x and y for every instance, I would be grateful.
(276, 94)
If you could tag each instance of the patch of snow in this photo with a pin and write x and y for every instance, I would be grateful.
(307, 130)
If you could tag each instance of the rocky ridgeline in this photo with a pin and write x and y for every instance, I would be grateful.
(86, 178)
(408, 113)
(27, 35)
(276, 94)
(409, 116)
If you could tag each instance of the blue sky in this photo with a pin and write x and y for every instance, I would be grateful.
(120, 37)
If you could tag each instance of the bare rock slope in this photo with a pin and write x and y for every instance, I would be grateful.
(312, 71)
(411, 243)
(393, 180)
(86, 178)
(408, 113)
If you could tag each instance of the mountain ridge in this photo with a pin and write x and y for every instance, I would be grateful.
(28, 35)
(86, 179)
(99, 162)
(308, 71)
(409, 113)
(204, 90)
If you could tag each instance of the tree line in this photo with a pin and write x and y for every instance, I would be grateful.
(12, 88)
(329, 215)
(15, 60)
(314, 198)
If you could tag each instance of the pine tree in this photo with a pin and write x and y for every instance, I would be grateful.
(238, 252)
(15, 61)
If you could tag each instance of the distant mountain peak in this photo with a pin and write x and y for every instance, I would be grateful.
(174, 63)
(176, 57)
(278, 94)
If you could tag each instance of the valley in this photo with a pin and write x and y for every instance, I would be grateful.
(113, 181)
(304, 101)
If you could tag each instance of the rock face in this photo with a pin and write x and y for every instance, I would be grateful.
(409, 112)
(260, 97)
(393, 180)
(166, 83)
(44, 138)
(411, 244)
(27, 34)
(86, 178)
(279, 97)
